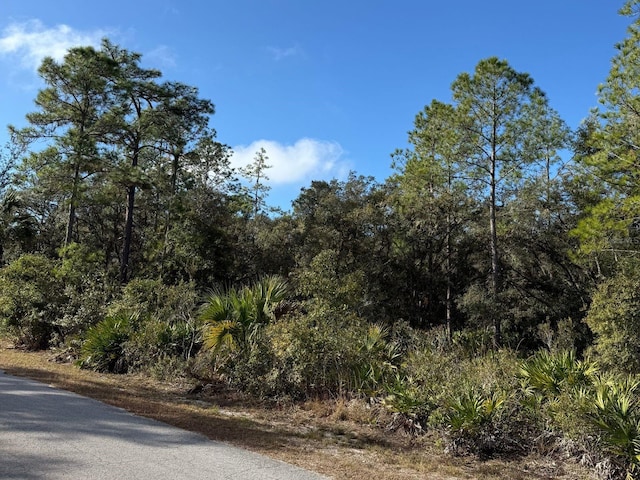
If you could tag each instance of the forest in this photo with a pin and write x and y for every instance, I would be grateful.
(488, 290)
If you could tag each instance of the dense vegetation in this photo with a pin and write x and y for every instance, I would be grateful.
(488, 289)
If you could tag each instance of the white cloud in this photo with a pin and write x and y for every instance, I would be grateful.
(31, 41)
(307, 159)
(282, 53)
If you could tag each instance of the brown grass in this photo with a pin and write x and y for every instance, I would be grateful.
(339, 439)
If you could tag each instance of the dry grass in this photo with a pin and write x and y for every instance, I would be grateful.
(336, 438)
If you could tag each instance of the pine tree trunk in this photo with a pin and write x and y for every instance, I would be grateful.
(495, 261)
(125, 270)
(128, 235)
(71, 217)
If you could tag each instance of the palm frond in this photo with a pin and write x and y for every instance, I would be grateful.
(221, 334)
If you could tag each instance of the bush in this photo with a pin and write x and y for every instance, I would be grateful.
(233, 318)
(472, 422)
(104, 347)
(614, 317)
(613, 407)
(378, 363)
(30, 301)
(473, 402)
(87, 288)
(253, 370)
(167, 303)
(316, 355)
(549, 374)
(163, 327)
(154, 345)
(551, 392)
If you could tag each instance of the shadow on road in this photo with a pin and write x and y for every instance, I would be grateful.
(28, 406)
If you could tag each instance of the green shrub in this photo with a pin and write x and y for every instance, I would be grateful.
(614, 409)
(253, 370)
(472, 401)
(233, 318)
(87, 288)
(30, 301)
(473, 343)
(410, 403)
(568, 334)
(146, 297)
(575, 399)
(472, 425)
(549, 374)
(162, 324)
(317, 354)
(472, 410)
(153, 341)
(379, 361)
(445, 375)
(306, 356)
(103, 349)
(551, 383)
(614, 317)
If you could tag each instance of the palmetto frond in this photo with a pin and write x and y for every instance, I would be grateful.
(550, 373)
(233, 317)
(267, 293)
(221, 334)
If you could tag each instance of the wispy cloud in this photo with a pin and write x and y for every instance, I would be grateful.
(29, 42)
(171, 9)
(278, 53)
(307, 159)
(162, 56)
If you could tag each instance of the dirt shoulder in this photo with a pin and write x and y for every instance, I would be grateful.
(340, 439)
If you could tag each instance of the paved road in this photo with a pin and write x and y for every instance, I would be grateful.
(47, 433)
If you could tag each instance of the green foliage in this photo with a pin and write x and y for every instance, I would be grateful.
(234, 318)
(164, 329)
(254, 371)
(304, 356)
(446, 375)
(342, 239)
(30, 300)
(17, 225)
(381, 357)
(323, 282)
(473, 342)
(608, 232)
(472, 401)
(614, 317)
(87, 288)
(550, 374)
(552, 387)
(318, 354)
(154, 345)
(568, 334)
(473, 410)
(573, 397)
(408, 398)
(103, 349)
(168, 303)
(614, 408)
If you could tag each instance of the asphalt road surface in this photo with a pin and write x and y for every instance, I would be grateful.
(47, 433)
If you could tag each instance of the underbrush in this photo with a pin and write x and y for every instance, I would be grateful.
(478, 401)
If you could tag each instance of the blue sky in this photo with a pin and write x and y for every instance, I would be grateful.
(324, 86)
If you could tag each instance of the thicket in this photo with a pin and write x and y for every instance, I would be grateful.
(487, 290)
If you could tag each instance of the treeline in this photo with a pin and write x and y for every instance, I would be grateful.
(473, 232)
(127, 239)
